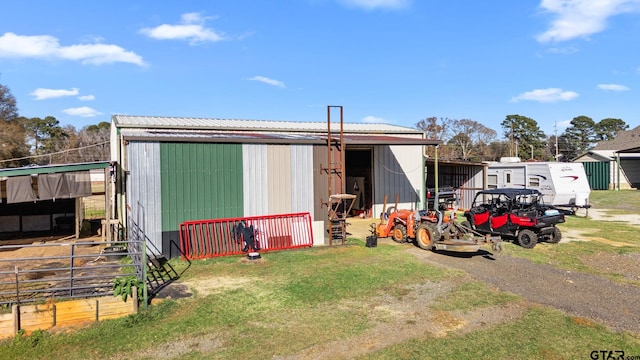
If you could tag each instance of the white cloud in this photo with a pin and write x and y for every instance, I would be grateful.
(546, 95)
(191, 28)
(268, 81)
(612, 87)
(377, 4)
(84, 111)
(581, 18)
(42, 94)
(374, 120)
(48, 47)
(563, 50)
(86, 98)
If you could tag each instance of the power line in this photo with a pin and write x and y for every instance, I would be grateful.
(54, 153)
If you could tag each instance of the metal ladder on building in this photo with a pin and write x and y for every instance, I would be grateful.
(339, 204)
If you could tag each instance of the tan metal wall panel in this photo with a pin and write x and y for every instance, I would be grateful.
(279, 178)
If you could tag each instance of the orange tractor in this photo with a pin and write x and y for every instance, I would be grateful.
(434, 229)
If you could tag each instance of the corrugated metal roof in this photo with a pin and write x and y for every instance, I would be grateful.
(160, 122)
(269, 137)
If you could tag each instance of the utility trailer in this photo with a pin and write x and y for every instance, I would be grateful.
(562, 184)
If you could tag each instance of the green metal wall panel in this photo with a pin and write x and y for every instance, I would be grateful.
(200, 181)
(597, 174)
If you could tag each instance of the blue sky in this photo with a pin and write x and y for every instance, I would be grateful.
(389, 61)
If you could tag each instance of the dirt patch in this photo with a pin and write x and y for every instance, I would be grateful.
(180, 347)
(214, 285)
(610, 215)
(397, 319)
(625, 265)
(569, 235)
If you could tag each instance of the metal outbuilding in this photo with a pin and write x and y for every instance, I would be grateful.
(175, 169)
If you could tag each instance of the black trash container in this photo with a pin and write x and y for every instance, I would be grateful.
(372, 241)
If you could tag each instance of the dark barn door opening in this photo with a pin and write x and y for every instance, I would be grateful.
(359, 180)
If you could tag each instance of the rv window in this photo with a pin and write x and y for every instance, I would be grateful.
(507, 178)
(534, 182)
(492, 181)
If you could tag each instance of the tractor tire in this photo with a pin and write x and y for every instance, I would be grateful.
(527, 239)
(399, 233)
(555, 237)
(427, 235)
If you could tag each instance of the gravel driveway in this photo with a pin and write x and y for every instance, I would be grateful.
(578, 294)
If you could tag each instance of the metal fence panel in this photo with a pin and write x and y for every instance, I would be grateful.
(211, 238)
(62, 270)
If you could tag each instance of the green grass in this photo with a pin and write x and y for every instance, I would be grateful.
(571, 255)
(541, 334)
(628, 200)
(299, 299)
(470, 295)
(294, 298)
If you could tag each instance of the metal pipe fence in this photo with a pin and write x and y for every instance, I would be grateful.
(41, 272)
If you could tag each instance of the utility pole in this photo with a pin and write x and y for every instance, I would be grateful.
(511, 138)
(531, 146)
(555, 129)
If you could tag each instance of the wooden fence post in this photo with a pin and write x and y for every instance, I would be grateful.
(15, 310)
(134, 297)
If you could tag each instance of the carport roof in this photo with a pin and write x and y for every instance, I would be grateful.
(50, 169)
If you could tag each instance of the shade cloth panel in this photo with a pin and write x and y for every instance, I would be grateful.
(20, 189)
(52, 186)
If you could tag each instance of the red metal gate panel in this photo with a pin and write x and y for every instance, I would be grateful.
(201, 239)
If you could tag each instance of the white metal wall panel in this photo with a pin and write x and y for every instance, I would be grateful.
(279, 178)
(256, 192)
(397, 170)
(143, 189)
(302, 179)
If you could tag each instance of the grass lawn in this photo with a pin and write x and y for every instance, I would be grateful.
(330, 302)
(628, 200)
(292, 301)
(609, 239)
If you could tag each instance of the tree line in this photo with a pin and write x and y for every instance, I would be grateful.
(41, 141)
(468, 140)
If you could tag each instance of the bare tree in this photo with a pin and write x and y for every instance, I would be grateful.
(470, 139)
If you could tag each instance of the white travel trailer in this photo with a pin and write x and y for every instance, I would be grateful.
(562, 184)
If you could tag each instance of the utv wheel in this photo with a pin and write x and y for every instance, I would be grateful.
(399, 233)
(426, 236)
(556, 237)
(527, 238)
